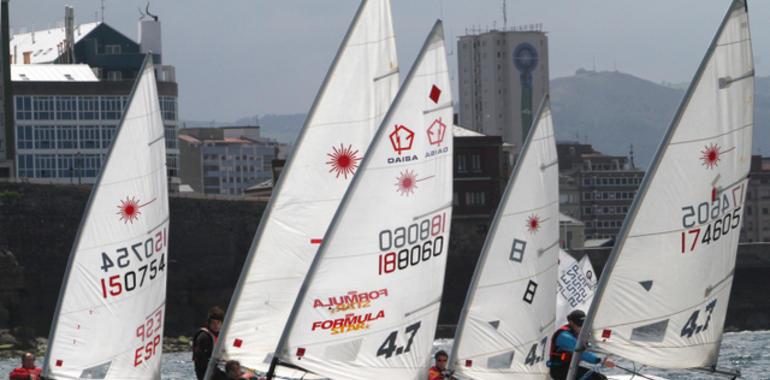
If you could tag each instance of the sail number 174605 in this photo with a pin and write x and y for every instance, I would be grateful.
(411, 245)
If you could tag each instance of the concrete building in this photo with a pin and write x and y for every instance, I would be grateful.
(70, 87)
(482, 166)
(503, 76)
(226, 160)
(596, 188)
(756, 226)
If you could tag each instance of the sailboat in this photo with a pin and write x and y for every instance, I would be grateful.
(369, 305)
(662, 298)
(508, 316)
(357, 91)
(109, 317)
(576, 286)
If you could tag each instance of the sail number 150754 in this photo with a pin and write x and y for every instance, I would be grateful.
(409, 246)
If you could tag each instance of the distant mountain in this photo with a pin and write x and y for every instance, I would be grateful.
(612, 110)
(608, 109)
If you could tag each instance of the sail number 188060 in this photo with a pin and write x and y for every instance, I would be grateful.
(411, 245)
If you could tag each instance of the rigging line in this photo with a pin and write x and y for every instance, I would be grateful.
(437, 108)
(532, 209)
(727, 81)
(518, 279)
(669, 315)
(390, 73)
(421, 308)
(541, 251)
(713, 137)
(718, 284)
(633, 372)
(448, 205)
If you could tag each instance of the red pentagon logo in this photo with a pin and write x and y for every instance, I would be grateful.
(401, 138)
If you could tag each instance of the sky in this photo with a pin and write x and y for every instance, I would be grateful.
(236, 58)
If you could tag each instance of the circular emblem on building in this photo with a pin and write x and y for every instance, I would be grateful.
(525, 57)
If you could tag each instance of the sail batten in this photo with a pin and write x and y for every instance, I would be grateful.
(109, 318)
(369, 305)
(356, 92)
(498, 335)
(687, 214)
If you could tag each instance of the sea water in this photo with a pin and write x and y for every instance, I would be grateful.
(747, 351)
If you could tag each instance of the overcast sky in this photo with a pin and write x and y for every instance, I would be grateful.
(236, 58)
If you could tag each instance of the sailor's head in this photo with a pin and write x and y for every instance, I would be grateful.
(216, 316)
(576, 319)
(233, 369)
(441, 359)
(28, 360)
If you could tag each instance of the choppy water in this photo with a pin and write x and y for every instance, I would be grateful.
(747, 351)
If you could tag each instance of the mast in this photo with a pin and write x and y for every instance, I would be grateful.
(544, 103)
(436, 32)
(587, 329)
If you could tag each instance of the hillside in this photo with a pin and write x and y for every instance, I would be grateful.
(612, 110)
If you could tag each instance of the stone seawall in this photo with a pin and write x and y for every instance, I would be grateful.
(209, 239)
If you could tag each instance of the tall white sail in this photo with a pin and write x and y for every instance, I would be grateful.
(663, 296)
(509, 312)
(109, 319)
(369, 306)
(576, 286)
(359, 87)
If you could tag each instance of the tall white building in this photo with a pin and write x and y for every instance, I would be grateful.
(503, 78)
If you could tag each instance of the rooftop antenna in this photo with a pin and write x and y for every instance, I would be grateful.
(505, 14)
(631, 156)
(102, 10)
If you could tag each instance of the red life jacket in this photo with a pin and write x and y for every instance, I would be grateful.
(22, 373)
(195, 351)
(559, 356)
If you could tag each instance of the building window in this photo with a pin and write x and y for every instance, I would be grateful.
(111, 107)
(462, 166)
(588, 210)
(476, 163)
(171, 142)
(66, 166)
(112, 49)
(44, 137)
(114, 75)
(23, 108)
(43, 107)
(45, 166)
(90, 165)
(26, 165)
(108, 134)
(66, 107)
(24, 137)
(89, 137)
(475, 198)
(88, 108)
(586, 196)
(67, 137)
(168, 107)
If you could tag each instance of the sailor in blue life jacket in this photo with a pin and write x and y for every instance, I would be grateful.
(563, 344)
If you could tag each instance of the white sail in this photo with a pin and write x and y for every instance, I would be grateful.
(369, 306)
(663, 297)
(109, 319)
(357, 92)
(508, 316)
(576, 286)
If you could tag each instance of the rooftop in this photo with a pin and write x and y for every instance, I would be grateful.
(52, 73)
(44, 44)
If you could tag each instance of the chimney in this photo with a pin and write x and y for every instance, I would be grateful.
(149, 34)
(69, 35)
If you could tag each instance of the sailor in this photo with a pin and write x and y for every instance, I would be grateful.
(204, 340)
(439, 370)
(563, 344)
(235, 372)
(27, 371)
